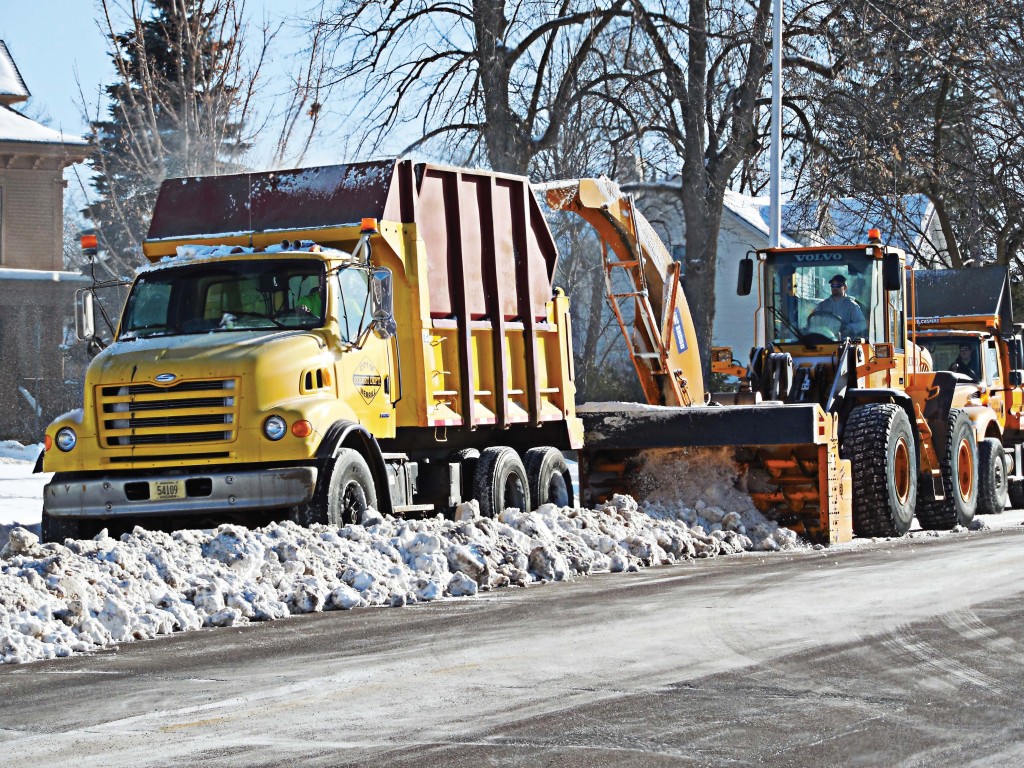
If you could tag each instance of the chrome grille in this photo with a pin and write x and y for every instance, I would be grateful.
(200, 411)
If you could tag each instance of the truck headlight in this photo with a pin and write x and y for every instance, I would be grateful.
(66, 438)
(274, 428)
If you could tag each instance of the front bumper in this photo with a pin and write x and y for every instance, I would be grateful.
(207, 492)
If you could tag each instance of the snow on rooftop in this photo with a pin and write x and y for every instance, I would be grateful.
(41, 275)
(14, 126)
(754, 211)
(11, 84)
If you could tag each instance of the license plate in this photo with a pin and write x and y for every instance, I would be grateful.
(162, 490)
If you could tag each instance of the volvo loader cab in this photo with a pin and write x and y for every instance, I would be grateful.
(819, 307)
(833, 324)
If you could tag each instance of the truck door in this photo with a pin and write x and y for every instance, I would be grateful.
(365, 370)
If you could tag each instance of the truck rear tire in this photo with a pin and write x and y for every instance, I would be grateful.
(959, 479)
(548, 473)
(880, 446)
(992, 483)
(350, 490)
(500, 481)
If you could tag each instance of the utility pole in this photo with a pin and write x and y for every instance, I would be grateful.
(775, 137)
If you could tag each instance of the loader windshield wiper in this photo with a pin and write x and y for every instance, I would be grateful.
(785, 321)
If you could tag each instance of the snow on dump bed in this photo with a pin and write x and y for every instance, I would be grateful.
(56, 600)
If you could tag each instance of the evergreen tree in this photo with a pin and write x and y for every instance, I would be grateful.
(177, 109)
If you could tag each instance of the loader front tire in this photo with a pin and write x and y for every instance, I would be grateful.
(959, 479)
(550, 482)
(992, 483)
(880, 446)
(500, 481)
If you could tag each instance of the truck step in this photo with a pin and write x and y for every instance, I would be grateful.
(402, 509)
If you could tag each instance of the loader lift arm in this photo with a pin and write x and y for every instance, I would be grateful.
(662, 340)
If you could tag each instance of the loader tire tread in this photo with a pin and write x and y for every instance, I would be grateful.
(871, 432)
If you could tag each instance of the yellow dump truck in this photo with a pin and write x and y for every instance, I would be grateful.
(317, 341)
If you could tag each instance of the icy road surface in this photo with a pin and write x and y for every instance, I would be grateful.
(904, 653)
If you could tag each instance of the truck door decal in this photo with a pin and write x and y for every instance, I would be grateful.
(367, 380)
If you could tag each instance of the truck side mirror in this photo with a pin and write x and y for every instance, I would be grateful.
(382, 303)
(892, 272)
(745, 278)
(85, 315)
(1016, 378)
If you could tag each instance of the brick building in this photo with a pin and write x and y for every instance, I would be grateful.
(38, 377)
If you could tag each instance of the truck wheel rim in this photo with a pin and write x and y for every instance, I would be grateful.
(901, 471)
(964, 470)
(515, 493)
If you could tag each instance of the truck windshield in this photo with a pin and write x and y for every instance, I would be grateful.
(824, 296)
(239, 295)
(959, 354)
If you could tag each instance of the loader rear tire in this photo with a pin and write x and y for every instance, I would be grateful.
(1016, 494)
(992, 484)
(959, 479)
(500, 481)
(550, 481)
(880, 446)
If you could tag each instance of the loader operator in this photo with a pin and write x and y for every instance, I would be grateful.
(843, 308)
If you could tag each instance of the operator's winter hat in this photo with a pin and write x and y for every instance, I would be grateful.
(837, 279)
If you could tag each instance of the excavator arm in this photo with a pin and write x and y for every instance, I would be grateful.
(639, 271)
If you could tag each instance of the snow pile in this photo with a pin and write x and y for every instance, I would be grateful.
(697, 486)
(61, 599)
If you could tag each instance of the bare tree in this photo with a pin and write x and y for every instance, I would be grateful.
(483, 79)
(710, 60)
(926, 102)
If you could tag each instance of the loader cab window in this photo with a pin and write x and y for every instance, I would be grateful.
(824, 296)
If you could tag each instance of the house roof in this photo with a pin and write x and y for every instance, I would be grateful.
(12, 87)
(14, 126)
(753, 212)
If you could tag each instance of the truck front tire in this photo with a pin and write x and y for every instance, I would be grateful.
(57, 529)
(350, 489)
(500, 481)
(992, 481)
